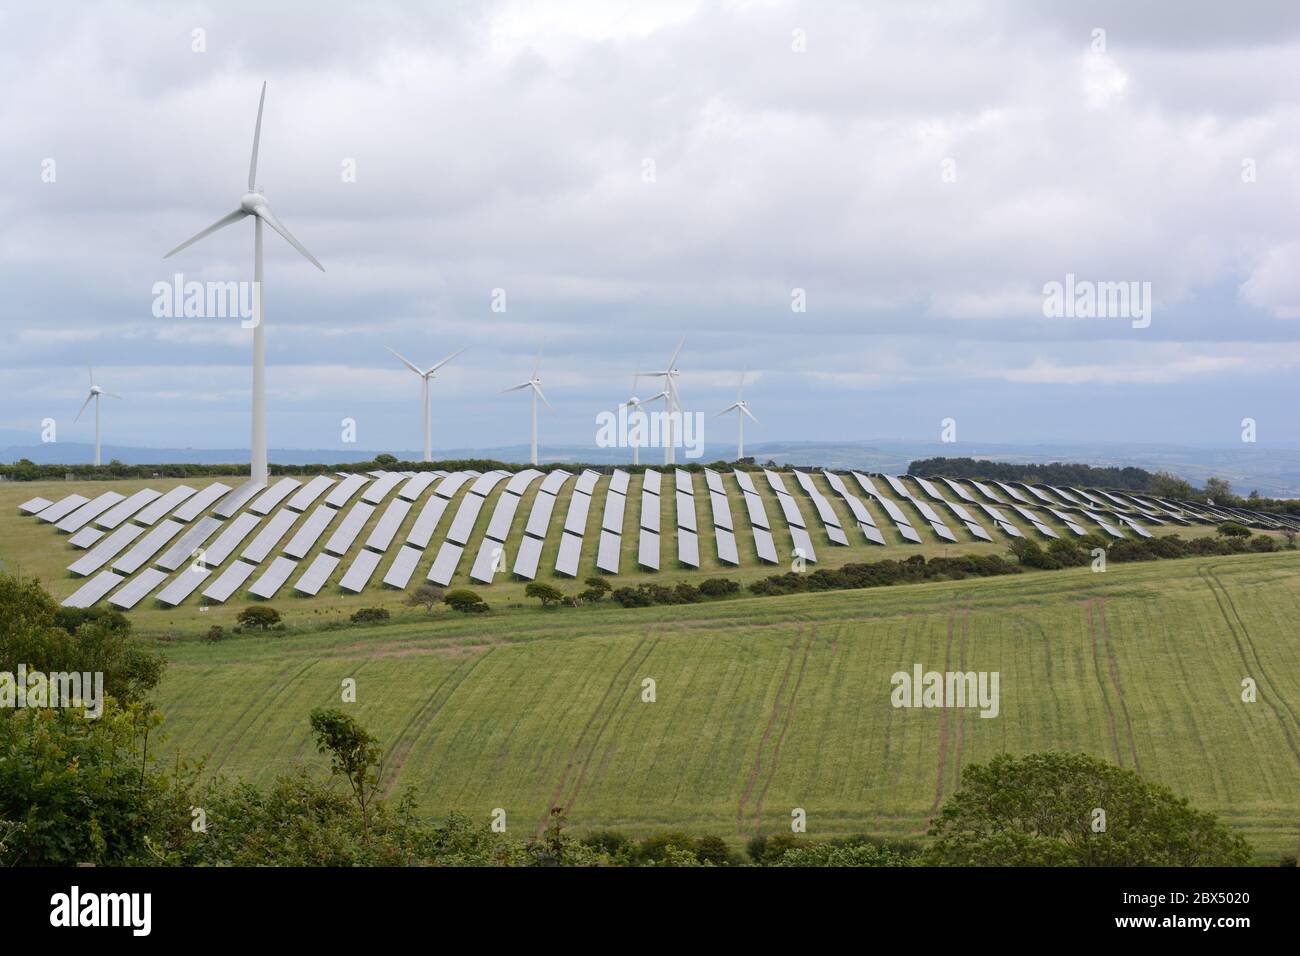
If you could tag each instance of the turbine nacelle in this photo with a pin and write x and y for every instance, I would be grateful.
(251, 202)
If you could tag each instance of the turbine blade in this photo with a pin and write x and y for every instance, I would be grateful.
(434, 368)
(540, 394)
(676, 352)
(257, 138)
(537, 364)
(83, 406)
(740, 392)
(269, 217)
(514, 388)
(221, 223)
(411, 365)
(112, 394)
(637, 376)
(92, 375)
(749, 413)
(729, 408)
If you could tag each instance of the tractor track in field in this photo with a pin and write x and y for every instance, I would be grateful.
(257, 706)
(404, 740)
(943, 719)
(1241, 636)
(961, 714)
(328, 700)
(785, 728)
(576, 757)
(1113, 662)
(756, 771)
(1089, 604)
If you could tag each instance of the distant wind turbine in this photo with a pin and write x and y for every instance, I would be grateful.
(95, 393)
(673, 404)
(534, 383)
(632, 404)
(253, 203)
(425, 376)
(741, 408)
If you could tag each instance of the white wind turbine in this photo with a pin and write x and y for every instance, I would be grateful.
(253, 203)
(534, 384)
(671, 402)
(95, 393)
(633, 404)
(741, 408)
(425, 376)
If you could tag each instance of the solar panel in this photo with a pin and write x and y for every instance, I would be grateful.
(987, 492)
(1113, 532)
(386, 529)
(200, 501)
(586, 482)
(94, 589)
(682, 479)
(575, 522)
(484, 483)
(403, 566)
(62, 508)
(503, 515)
(867, 485)
(416, 485)
(234, 532)
(908, 532)
(106, 550)
(1037, 522)
(774, 480)
(721, 513)
(959, 491)
(314, 578)
(520, 480)
(1063, 495)
(304, 497)
(554, 480)
(765, 545)
(490, 553)
(33, 505)
(85, 537)
(651, 481)
(188, 543)
(357, 576)
(872, 533)
(427, 521)
(897, 485)
(651, 506)
(124, 509)
(837, 535)
(686, 511)
(380, 487)
(378, 473)
(803, 544)
(618, 481)
(757, 513)
(607, 552)
(270, 535)
(647, 554)
(231, 504)
(342, 493)
(615, 504)
(466, 515)
(135, 589)
(714, 481)
(943, 531)
(570, 550)
(147, 547)
(688, 547)
(1066, 520)
(305, 537)
(793, 517)
(824, 511)
(929, 489)
(182, 586)
(539, 519)
(273, 579)
(166, 503)
(444, 565)
(726, 546)
(229, 581)
(265, 503)
(530, 553)
(349, 528)
(745, 481)
(1088, 496)
(1015, 494)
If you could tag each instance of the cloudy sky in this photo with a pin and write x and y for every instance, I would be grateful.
(630, 173)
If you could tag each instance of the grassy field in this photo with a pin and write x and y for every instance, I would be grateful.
(762, 704)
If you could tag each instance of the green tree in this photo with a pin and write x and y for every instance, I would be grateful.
(258, 615)
(545, 593)
(1219, 491)
(465, 601)
(1165, 485)
(426, 596)
(597, 587)
(354, 755)
(1231, 529)
(1043, 810)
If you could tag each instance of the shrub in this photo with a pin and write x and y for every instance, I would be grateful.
(546, 593)
(630, 597)
(259, 616)
(596, 585)
(426, 596)
(465, 601)
(215, 633)
(1231, 529)
(369, 615)
(718, 587)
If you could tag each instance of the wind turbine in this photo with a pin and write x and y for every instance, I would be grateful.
(253, 203)
(425, 376)
(672, 404)
(741, 408)
(95, 393)
(634, 403)
(535, 384)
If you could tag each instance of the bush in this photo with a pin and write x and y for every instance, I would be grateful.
(259, 616)
(597, 586)
(1231, 529)
(216, 633)
(718, 587)
(546, 593)
(425, 596)
(465, 601)
(369, 615)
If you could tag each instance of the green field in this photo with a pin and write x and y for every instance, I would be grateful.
(763, 704)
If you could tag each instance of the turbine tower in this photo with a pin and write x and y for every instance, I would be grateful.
(672, 401)
(425, 376)
(253, 203)
(741, 408)
(632, 404)
(535, 385)
(95, 393)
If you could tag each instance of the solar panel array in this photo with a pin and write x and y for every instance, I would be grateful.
(611, 523)
(492, 552)
(764, 544)
(445, 564)
(575, 524)
(801, 543)
(647, 554)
